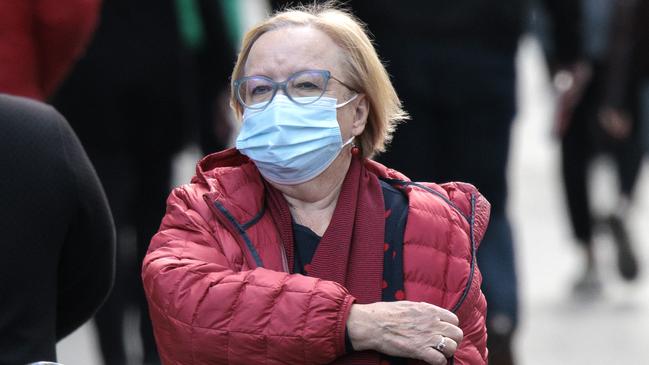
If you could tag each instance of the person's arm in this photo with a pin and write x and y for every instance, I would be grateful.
(472, 312)
(569, 68)
(614, 115)
(565, 33)
(87, 258)
(473, 349)
(204, 310)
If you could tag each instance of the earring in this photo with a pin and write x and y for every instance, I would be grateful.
(355, 150)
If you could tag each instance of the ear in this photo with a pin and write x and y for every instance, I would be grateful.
(361, 113)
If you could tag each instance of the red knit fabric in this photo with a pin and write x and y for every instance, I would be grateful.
(351, 249)
(39, 42)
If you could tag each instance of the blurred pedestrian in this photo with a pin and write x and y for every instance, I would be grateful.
(599, 109)
(124, 100)
(149, 83)
(58, 238)
(39, 42)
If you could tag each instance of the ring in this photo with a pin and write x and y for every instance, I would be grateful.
(441, 345)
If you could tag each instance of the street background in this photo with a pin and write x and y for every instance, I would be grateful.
(556, 328)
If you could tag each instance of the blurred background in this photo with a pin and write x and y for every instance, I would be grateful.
(551, 95)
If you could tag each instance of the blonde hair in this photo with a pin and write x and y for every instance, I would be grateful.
(364, 71)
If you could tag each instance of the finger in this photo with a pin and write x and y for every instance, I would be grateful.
(445, 345)
(432, 356)
(448, 317)
(453, 332)
(443, 314)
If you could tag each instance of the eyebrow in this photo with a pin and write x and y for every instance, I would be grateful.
(266, 73)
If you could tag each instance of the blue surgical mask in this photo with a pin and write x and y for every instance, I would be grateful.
(290, 143)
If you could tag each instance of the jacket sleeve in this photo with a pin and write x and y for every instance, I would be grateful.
(205, 311)
(472, 315)
(472, 312)
(619, 56)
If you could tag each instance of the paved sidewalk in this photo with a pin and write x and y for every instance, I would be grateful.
(557, 328)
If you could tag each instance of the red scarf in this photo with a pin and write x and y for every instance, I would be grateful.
(351, 249)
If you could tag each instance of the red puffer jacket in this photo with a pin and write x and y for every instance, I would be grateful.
(211, 305)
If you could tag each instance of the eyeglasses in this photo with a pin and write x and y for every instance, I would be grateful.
(256, 92)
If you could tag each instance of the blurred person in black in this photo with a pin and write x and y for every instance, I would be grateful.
(58, 237)
(453, 65)
(598, 112)
(134, 99)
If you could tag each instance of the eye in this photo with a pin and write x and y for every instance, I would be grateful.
(261, 90)
(306, 85)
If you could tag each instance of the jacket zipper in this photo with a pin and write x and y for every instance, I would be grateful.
(471, 220)
(230, 227)
(473, 262)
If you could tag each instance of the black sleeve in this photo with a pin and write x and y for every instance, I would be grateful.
(566, 19)
(87, 258)
(619, 62)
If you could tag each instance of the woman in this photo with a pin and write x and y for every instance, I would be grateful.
(295, 248)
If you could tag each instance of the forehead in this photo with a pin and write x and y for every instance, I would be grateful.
(284, 51)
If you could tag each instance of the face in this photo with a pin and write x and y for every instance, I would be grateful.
(280, 53)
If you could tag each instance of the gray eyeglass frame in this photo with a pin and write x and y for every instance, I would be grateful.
(283, 86)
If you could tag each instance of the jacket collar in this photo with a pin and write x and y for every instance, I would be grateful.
(234, 181)
(383, 172)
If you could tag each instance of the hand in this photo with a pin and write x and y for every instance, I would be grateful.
(615, 122)
(405, 329)
(570, 84)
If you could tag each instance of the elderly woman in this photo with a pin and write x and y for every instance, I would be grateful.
(295, 248)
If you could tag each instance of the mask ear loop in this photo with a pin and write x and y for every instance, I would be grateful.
(346, 102)
(355, 149)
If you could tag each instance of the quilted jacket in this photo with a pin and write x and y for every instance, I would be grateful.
(211, 304)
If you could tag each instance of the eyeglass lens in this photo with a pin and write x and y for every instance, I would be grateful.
(258, 90)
